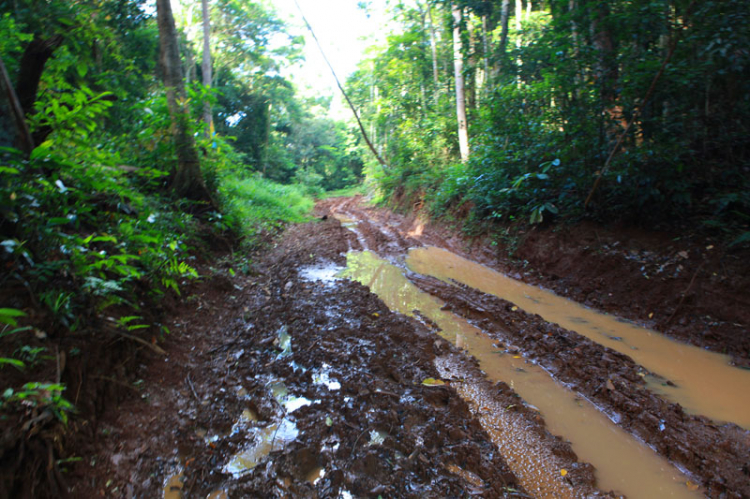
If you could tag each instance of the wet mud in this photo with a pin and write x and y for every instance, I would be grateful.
(290, 381)
(715, 454)
(286, 386)
(718, 453)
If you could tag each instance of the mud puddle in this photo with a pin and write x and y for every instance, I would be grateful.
(704, 381)
(623, 464)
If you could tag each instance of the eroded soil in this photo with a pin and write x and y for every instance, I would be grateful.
(327, 378)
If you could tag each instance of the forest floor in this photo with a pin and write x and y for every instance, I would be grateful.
(291, 382)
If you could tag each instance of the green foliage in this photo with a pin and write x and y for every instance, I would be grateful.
(259, 206)
(46, 396)
(558, 98)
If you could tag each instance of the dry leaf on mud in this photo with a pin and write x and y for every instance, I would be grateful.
(610, 385)
(563, 472)
(433, 382)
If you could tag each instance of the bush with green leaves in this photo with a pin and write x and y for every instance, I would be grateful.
(259, 206)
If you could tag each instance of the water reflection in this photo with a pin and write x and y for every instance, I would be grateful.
(705, 382)
(623, 463)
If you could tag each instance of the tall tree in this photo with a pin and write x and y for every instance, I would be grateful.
(504, 15)
(206, 65)
(188, 180)
(426, 13)
(458, 64)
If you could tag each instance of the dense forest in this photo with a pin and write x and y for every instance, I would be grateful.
(647, 101)
(138, 139)
(135, 140)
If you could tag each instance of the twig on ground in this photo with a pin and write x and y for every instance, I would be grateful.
(192, 387)
(143, 342)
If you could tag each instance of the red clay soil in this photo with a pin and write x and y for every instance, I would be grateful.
(697, 289)
(382, 432)
(718, 456)
(225, 355)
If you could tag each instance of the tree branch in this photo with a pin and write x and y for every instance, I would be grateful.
(24, 138)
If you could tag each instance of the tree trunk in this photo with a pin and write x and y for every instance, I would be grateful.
(519, 14)
(433, 47)
(607, 72)
(34, 58)
(23, 140)
(463, 132)
(188, 180)
(471, 85)
(486, 49)
(504, 15)
(206, 67)
(572, 12)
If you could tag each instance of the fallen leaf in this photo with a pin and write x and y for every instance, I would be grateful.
(610, 385)
(375, 314)
(514, 308)
(329, 421)
(433, 382)
(516, 356)
(651, 315)
(691, 485)
(710, 247)
(683, 254)
(563, 472)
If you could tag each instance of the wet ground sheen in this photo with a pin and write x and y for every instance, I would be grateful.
(293, 381)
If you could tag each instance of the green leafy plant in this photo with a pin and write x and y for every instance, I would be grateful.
(46, 396)
(9, 321)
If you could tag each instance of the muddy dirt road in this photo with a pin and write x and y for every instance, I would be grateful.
(364, 356)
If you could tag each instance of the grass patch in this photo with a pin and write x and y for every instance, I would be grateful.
(353, 190)
(256, 205)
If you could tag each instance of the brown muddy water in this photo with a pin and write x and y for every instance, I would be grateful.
(622, 463)
(706, 383)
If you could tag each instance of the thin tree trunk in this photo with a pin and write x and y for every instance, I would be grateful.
(463, 132)
(519, 60)
(573, 8)
(433, 47)
(504, 15)
(206, 67)
(519, 14)
(471, 87)
(607, 71)
(486, 48)
(188, 180)
(23, 137)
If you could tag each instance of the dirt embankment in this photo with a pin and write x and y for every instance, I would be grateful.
(693, 289)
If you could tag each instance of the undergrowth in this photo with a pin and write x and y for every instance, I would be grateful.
(257, 206)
